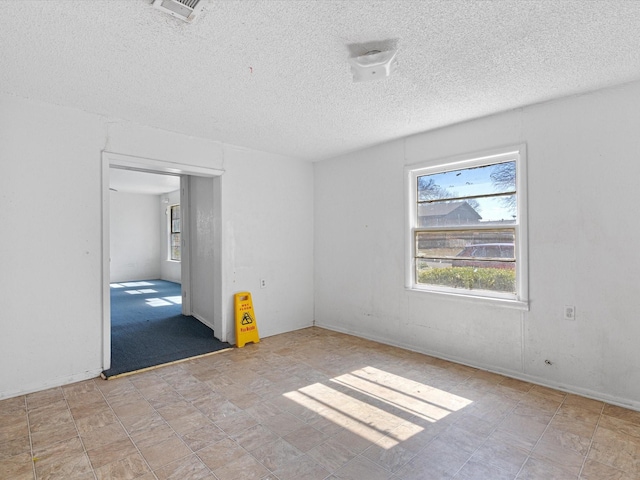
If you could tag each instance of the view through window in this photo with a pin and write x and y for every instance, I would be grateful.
(466, 226)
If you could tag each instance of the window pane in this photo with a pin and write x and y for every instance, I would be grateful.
(468, 182)
(472, 260)
(489, 278)
(460, 213)
(482, 244)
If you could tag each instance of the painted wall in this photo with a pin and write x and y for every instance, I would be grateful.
(51, 195)
(583, 166)
(267, 233)
(170, 270)
(135, 236)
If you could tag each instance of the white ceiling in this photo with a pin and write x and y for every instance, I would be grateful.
(273, 75)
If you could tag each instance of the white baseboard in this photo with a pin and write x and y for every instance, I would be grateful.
(584, 392)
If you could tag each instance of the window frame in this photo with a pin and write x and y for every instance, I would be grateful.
(172, 232)
(520, 299)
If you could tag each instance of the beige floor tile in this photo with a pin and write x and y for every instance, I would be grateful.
(331, 455)
(245, 467)
(13, 406)
(254, 437)
(275, 454)
(187, 468)
(18, 467)
(622, 413)
(44, 398)
(593, 470)
(504, 456)
(564, 458)
(305, 438)
(617, 450)
(15, 446)
(360, 468)
(282, 424)
(162, 453)
(202, 437)
(595, 406)
(236, 423)
(535, 469)
(99, 418)
(391, 458)
(568, 440)
(218, 454)
(45, 418)
(111, 452)
(476, 470)
(302, 467)
(189, 423)
(73, 466)
(153, 435)
(105, 435)
(14, 428)
(127, 468)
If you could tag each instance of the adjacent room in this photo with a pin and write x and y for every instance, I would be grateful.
(149, 326)
(429, 201)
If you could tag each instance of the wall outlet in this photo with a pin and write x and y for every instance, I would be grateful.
(569, 312)
(263, 283)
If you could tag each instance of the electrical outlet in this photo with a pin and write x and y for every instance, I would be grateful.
(569, 312)
(263, 283)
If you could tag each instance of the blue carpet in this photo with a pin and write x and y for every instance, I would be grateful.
(148, 328)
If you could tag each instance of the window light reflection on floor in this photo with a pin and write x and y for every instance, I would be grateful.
(140, 292)
(163, 302)
(372, 403)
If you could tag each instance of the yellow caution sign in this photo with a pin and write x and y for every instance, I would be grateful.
(246, 326)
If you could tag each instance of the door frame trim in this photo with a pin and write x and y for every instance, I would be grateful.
(132, 162)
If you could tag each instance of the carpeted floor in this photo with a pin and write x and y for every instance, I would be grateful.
(148, 328)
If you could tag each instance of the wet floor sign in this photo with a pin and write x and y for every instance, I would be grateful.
(246, 326)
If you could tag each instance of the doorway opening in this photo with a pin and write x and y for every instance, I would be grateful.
(147, 205)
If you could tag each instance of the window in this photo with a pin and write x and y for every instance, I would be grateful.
(467, 231)
(174, 233)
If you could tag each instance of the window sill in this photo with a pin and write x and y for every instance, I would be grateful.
(476, 299)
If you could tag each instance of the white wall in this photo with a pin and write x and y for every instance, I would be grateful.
(583, 223)
(170, 269)
(51, 195)
(267, 233)
(135, 236)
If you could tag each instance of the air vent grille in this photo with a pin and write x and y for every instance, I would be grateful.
(183, 9)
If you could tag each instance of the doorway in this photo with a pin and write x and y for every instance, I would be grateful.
(202, 302)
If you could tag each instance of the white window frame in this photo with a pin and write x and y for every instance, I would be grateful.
(171, 233)
(520, 299)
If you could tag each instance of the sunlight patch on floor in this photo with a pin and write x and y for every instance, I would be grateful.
(413, 397)
(163, 302)
(371, 403)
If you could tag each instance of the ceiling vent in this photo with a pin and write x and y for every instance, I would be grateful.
(183, 9)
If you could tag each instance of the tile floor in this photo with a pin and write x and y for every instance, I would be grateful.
(315, 404)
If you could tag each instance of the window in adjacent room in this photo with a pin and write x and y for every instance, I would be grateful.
(174, 235)
(467, 232)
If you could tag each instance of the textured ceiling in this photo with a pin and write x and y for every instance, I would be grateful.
(273, 75)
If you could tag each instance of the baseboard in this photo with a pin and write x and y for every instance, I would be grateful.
(584, 392)
(52, 383)
(202, 320)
